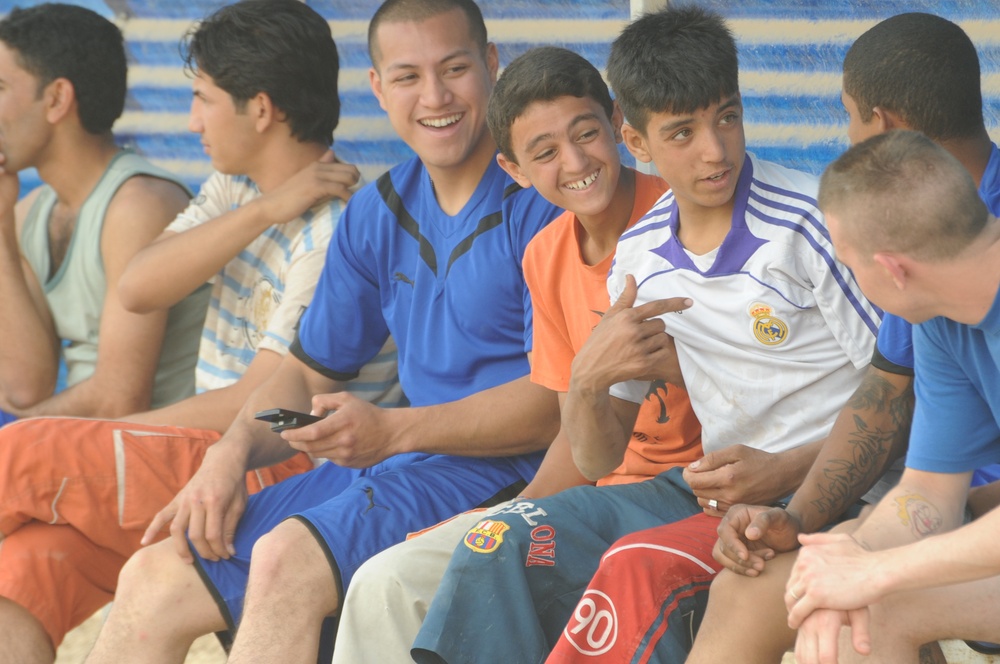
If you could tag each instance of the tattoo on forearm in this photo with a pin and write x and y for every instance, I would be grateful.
(871, 447)
(919, 514)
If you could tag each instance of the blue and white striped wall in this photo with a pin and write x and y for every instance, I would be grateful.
(790, 57)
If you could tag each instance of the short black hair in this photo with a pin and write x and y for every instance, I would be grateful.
(900, 191)
(403, 11)
(923, 68)
(676, 60)
(282, 48)
(541, 74)
(65, 41)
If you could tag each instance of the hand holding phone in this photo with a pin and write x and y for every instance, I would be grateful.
(282, 418)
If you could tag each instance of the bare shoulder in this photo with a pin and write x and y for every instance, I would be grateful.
(23, 206)
(146, 199)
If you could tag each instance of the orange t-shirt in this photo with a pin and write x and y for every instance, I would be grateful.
(568, 299)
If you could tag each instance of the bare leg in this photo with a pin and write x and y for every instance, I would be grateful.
(290, 591)
(161, 607)
(904, 621)
(22, 638)
(746, 619)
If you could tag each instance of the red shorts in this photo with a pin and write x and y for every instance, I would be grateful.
(644, 586)
(76, 496)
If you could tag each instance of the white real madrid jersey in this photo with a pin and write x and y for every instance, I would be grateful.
(779, 332)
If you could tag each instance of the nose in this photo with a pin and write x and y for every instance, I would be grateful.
(575, 159)
(435, 93)
(194, 118)
(713, 150)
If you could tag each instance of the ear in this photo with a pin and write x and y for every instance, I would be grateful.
(375, 81)
(885, 120)
(514, 170)
(492, 61)
(617, 120)
(264, 112)
(60, 100)
(896, 266)
(636, 143)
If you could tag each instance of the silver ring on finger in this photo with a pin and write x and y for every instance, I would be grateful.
(713, 504)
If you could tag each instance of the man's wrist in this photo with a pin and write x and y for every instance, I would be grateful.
(404, 424)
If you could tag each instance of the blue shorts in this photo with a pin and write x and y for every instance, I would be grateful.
(986, 474)
(354, 513)
(6, 418)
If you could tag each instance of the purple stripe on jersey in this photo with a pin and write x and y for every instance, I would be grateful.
(787, 193)
(830, 262)
(665, 206)
(813, 220)
(719, 276)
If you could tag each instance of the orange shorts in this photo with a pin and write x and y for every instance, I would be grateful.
(76, 496)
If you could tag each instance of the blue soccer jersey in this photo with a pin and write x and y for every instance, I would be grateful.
(448, 288)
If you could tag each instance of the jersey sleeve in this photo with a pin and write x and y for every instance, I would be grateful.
(306, 265)
(851, 318)
(526, 213)
(344, 326)
(954, 430)
(213, 200)
(894, 348)
(553, 351)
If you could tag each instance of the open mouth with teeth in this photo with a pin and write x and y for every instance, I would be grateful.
(441, 123)
(584, 183)
(717, 176)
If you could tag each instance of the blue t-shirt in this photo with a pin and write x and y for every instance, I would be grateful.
(449, 289)
(894, 350)
(955, 423)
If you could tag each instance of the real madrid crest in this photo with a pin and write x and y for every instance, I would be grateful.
(767, 328)
(486, 536)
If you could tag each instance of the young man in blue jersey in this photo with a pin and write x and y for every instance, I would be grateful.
(430, 253)
(77, 494)
(881, 70)
(908, 219)
(64, 246)
(729, 224)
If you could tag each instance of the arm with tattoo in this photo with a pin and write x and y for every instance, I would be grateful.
(868, 436)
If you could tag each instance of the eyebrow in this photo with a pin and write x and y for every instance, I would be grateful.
(460, 53)
(583, 117)
(729, 103)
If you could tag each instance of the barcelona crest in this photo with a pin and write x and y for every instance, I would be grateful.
(486, 536)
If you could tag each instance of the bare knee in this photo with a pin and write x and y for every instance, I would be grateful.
(289, 561)
(153, 576)
(22, 637)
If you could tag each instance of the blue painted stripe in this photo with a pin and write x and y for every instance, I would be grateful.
(362, 10)
(189, 9)
(776, 56)
(848, 9)
(188, 147)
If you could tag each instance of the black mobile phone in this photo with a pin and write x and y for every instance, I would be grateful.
(281, 418)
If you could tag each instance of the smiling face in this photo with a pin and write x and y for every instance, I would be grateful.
(23, 127)
(700, 154)
(434, 83)
(227, 134)
(566, 149)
